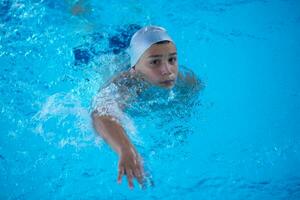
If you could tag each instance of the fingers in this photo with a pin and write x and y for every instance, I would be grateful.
(120, 174)
(130, 178)
(131, 174)
(132, 169)
(125, 170)
(138, 173)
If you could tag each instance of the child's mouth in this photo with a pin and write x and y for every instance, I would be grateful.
(167, 82)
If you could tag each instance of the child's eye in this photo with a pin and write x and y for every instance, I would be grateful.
(172, 60)
(155, 62)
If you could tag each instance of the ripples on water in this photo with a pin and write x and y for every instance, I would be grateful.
(49, 74)
(49, 65)
(54, 57)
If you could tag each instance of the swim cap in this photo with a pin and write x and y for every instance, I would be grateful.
(143, 39)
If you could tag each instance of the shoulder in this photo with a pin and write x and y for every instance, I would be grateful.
(124, 79)
(188, 78)
(121, 88)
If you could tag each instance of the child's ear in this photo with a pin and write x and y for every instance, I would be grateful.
(132, 69)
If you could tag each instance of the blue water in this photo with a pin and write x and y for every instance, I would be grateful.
(240, 139)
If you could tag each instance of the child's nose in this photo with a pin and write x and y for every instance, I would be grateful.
(166, 68)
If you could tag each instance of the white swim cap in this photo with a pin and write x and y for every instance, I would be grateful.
(143, 39)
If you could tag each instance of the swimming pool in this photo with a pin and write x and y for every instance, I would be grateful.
(239, 140)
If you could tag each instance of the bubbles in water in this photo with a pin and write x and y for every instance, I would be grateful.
(63, 120)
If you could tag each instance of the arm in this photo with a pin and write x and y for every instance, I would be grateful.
(114, 134)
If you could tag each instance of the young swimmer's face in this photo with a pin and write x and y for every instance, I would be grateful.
(159, 64)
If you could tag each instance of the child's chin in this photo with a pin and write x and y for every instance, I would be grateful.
(167, 86)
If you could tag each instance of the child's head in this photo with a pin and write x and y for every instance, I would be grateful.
(153, 54)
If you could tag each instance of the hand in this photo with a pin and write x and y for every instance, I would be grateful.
(130, 165)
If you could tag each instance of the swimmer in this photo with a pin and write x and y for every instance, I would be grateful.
(153, 60)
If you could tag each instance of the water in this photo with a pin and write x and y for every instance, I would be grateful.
(238, 140)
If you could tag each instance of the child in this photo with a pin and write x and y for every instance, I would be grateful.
(153, 58)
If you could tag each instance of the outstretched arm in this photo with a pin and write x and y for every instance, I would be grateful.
(114, 134)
